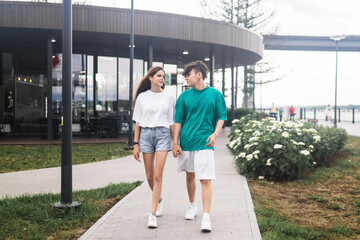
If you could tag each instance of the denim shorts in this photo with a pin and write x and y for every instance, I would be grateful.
(154, 139)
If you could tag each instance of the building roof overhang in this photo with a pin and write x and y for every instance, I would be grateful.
(105, 31)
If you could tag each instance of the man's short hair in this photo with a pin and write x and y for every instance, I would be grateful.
(198, 66)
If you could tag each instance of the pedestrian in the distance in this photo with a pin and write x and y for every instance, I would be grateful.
(328, 113)
(292, 112)
(200, 115)
(154, 119)
(281, 111)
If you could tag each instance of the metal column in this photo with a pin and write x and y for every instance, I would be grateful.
(49, 90)
(130, 133)
(212, 66)
(232, 90)
(150, 56)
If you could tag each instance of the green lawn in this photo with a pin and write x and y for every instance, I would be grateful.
(25, 157)
(32, 217)
(324, 205)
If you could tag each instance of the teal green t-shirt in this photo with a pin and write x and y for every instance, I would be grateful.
(198, 112)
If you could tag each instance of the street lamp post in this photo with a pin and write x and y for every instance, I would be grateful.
(337, 39)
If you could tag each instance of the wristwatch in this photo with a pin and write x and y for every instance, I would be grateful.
(134, 143)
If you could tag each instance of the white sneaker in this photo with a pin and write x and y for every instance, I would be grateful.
(152, 221)
(160, 208)
(205, 223)
(191, 212)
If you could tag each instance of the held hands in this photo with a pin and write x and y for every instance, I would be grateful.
(176, 150)
(210, 142)
(136, 153)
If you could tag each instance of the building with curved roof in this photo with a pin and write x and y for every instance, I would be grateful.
(30, 59)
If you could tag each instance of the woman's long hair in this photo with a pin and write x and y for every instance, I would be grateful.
(145, 83)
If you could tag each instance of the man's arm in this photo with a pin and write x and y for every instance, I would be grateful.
(176, 147)
(212, 138)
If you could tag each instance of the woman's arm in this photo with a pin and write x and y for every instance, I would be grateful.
(136, 150)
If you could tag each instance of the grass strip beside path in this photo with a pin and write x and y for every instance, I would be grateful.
(325, 205)
(26, 157)
(32, 217)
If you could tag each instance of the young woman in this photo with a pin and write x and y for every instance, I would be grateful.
(154, 119)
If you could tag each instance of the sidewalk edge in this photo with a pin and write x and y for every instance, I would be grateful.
(108, 213)
(250, 206)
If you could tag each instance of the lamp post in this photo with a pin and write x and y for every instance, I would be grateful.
(130, 134)
(337, 39)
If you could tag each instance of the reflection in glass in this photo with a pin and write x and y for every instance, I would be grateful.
(106, 84)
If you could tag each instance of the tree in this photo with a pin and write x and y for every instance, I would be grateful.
(248, 14)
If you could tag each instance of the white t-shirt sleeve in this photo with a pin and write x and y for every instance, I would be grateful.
(137, 110)
(171, 110)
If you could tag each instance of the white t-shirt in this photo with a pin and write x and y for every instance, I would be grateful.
(154, 109)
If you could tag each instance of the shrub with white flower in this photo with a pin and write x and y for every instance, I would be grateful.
(270, 149)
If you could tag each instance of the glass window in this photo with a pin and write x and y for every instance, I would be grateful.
(30, 92)
(6, 90)
(124, 68)
(79, 77)
(106, 84)
(90, 84)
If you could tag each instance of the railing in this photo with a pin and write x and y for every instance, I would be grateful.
(343, 114)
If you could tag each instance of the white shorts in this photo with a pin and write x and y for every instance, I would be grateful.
(200, 162)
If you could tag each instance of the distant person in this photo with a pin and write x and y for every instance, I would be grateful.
(292, 112)
(200, 115)
(273, 111)
(281, 110)
(328, 113)
(154, 113)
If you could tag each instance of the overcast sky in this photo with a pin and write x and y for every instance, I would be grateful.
(309, 76)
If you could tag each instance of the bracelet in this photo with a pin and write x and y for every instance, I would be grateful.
(134, 143)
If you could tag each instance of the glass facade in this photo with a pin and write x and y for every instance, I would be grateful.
(100, 89)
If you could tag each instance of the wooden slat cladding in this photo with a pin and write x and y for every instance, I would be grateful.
(113, 20)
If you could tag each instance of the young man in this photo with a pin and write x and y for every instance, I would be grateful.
(200, 115)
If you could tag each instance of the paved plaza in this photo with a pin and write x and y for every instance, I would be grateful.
(232, 211)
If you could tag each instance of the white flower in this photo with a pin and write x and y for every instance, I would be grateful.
(311, 146)
(301, 144)
(278, 146)
(256, 152)
(247, 146)
(312, 130)
(237, 131)
(253, 139)
(317, 138)
(257, 133)
(249, 157)
(268, 162)
(305, 152)
(255, 143)
(235, 121)
(294, 142)
(242, 154)
(261, 177)
(314, 163)
(232, 143)
(256, 156)
(285, 134)
(248, 130)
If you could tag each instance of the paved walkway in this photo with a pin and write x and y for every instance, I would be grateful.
(232, 211)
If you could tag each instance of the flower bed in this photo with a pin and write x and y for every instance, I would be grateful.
(269, 149)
